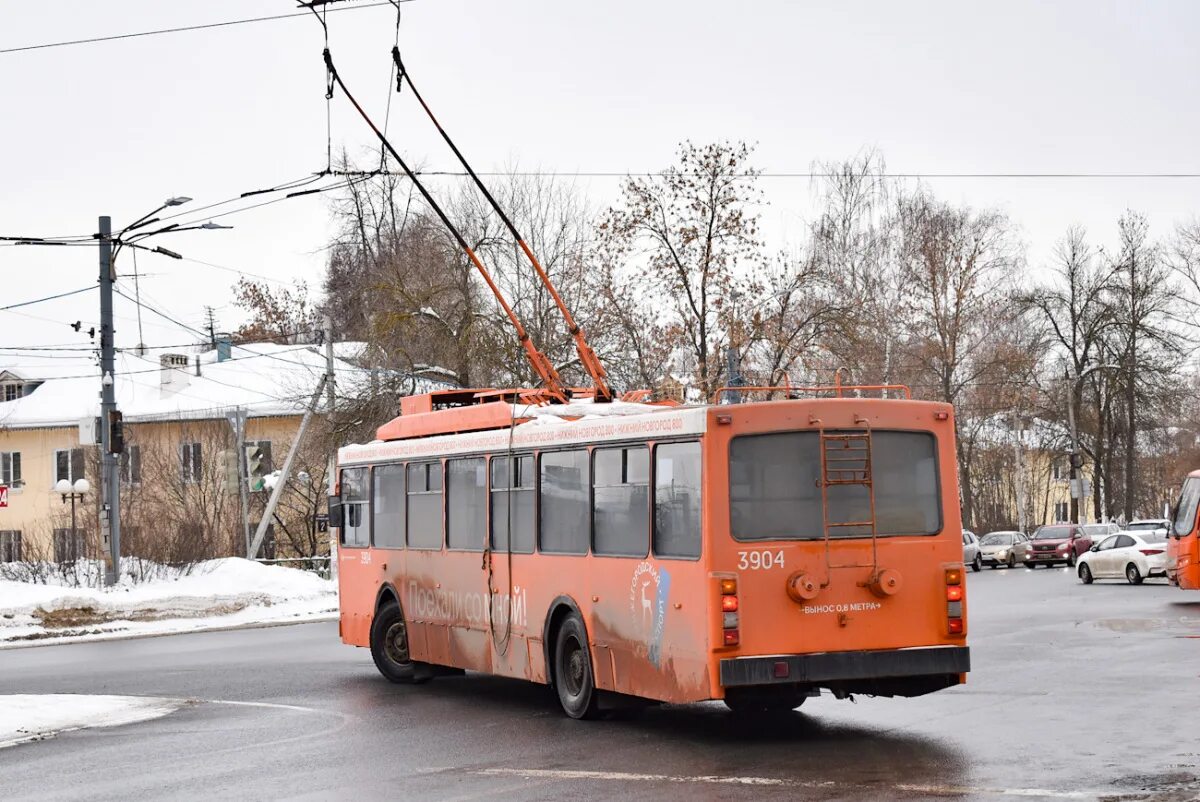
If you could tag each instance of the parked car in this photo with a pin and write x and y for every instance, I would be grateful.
(971, 555)
(1133, 555)
(1002, 548)
(1160, 525)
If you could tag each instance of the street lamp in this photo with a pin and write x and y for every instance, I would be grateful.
(146, 219)
(74, 492)
(1076, 459)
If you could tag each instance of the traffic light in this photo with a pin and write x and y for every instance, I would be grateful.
(116, 432)
(229, 471)
(256, 467)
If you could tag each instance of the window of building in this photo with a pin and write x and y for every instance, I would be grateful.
(1062, 510)
(10, 468)
(1060, 470)
(68, 464)
(131, 464)
(13, 391)
(512, 503)
(621, 492)
(425, 519)
(774, 492)
(563, 501)
(10, 546)
(677, 500)
(388, 511)
(356, 525)
(191, 463)
(466, 503)
(69, 545)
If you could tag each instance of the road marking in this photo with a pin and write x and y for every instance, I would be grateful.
(712, 779)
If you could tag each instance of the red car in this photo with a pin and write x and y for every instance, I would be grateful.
(1057, 543)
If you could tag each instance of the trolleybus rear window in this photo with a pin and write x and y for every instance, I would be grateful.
(774, 492)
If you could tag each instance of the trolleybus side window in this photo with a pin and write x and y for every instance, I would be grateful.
(512, 503)
(621, 489)
(677, 500)
(425, 505)
(774, 493)
(564, 502)
(466, 508)
(356, 530)
(387, 527)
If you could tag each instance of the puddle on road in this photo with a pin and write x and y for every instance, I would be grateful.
(1178, 786)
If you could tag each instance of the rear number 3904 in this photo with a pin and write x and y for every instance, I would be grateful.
(759, 560)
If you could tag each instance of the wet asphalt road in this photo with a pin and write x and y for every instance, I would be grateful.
(1076, 693)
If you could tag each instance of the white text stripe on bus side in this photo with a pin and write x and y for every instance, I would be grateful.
(651, 426)
(620, 776)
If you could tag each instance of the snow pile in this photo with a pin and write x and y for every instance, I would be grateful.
(25, 717)
(214, 594)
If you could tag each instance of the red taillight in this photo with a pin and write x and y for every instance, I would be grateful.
(731, 637)
(1148, 552)
(956, 626)
(954, 593)
(782, 669)
(729, 604)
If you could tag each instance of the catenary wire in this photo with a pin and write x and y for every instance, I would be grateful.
(182, 29)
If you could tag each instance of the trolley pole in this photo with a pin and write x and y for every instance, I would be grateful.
(110, 483)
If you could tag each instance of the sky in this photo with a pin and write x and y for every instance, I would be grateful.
(114, 128)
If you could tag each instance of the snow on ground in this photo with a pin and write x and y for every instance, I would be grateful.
(214, 595)
(27, 717)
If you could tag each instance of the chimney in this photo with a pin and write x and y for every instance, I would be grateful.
(172, 375)
(224, 346)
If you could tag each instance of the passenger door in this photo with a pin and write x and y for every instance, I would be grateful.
(1120, 555)
(1101, 563)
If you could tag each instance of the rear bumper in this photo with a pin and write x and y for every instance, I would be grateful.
(842, 667)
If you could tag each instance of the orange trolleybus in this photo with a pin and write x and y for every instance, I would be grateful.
(1183, 542)
(751, 552)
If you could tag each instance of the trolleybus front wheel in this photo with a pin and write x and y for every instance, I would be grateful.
(389, 647)
(573, 679)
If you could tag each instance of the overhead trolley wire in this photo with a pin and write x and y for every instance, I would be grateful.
(205, 26)
(47, 298)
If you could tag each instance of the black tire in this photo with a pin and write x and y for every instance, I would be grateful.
(1031, 566)
(775, 703)
(1071, 560)
(573, 677)
(1085, 574)
(977, 563)
(1011, 562)
(1132, 575)
(389, 647)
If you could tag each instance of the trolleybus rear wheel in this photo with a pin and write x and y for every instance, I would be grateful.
(389, 647)
(573, 678)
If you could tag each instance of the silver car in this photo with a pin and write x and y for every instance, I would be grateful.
(971, 554)
(1003, 548)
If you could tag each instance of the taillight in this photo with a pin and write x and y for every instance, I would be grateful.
(1148, 552)
(955, 593)
(729, 617)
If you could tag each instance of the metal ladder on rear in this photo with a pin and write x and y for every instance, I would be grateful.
(846, 461)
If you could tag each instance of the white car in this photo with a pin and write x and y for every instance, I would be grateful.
(971, 551)
(1132, 555)
(1160, 525)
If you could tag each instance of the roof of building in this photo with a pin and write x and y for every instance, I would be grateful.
(265, 379)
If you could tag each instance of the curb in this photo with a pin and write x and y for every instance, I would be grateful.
(118, 635)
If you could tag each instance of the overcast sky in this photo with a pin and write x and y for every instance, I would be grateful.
(1013, 87)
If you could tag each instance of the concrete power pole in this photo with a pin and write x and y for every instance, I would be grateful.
(330, 397)
(110, 483)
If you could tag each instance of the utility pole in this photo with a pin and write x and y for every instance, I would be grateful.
(331, 471)
(1019, 475)
(1075, 458)
(237, 422)
(110, 483)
